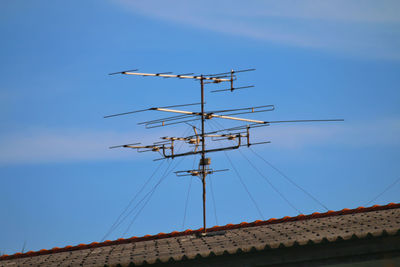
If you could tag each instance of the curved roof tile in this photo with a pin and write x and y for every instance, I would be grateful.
(283, 237)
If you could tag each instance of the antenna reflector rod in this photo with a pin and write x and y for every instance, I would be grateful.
(236, 71)
(111, 147)
(125, 113)
(304, 121)
(122, 72)
(136, 111)
(231, 72)
(182, 105)
(232, 89)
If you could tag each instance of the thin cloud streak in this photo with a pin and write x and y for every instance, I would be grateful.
(48, 145)
(369, 30)
(336, 10)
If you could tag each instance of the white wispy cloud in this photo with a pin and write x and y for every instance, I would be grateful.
(50, 145)
(361, 28)
(64, 145)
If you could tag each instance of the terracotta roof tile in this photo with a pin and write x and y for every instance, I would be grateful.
(235, 238)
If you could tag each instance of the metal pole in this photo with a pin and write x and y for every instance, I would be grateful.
(203, 147)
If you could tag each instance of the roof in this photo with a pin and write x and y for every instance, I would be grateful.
(230, 239)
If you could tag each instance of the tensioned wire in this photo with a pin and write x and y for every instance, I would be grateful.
(242, 183)
(287, 178)
(214, 201)
(290, 180)
(114, 225)
(384, 191)
(267, 180)
(119, 220)
(187, 195)
(151, 192)
(244, 186)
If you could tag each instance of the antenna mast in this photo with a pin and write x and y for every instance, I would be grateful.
(203, 154)
(234, 134)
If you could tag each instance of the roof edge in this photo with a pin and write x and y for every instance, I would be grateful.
(300, 217)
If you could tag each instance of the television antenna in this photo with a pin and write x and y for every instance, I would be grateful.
(240, 135)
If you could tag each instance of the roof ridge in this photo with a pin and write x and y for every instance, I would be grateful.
(191, 232)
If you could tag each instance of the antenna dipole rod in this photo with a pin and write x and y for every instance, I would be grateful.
(203, 154)
(201, 77)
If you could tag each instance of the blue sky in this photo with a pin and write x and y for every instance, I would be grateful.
(61, 185)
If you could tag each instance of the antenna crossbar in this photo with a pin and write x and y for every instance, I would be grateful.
(167, 124)
(250, 109)
(232, 89)
(197, 172)
(232, 71)
(215, 79)
(215, 150)
(256, 125)
(172, 118)
(237, 119)
(147, 109)
(178, 119)
(208, 115)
